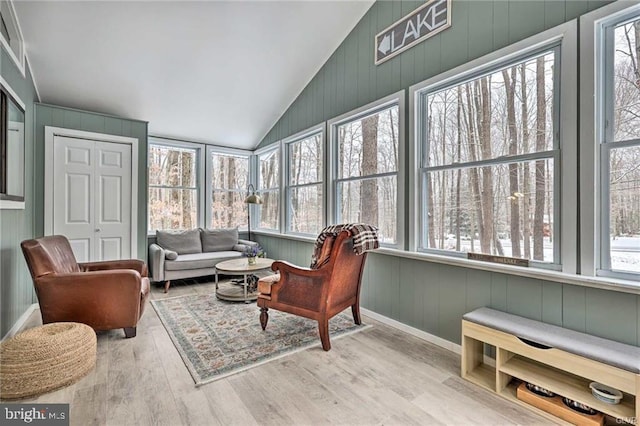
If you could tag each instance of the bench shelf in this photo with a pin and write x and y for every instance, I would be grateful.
(561, 372)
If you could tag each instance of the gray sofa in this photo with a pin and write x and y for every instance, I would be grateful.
(192, 253)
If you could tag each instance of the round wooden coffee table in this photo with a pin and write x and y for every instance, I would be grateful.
(241, 267)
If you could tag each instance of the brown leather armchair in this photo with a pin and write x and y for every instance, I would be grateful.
(318, 294)
(104, 295)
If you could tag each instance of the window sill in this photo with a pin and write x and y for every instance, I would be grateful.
(11, 205)
(295, 237)
(613, 284)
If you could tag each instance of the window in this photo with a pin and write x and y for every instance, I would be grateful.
(229, 181)
(489, 160)
(173, 187)
(367, 150)
(269, 188)
(305, 188)
(620, 147)
(10, 34)
(11, 149)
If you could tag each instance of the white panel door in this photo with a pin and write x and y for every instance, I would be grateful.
(92, 197)
(113, 201)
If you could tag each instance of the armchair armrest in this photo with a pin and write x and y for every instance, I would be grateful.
(135, 264)
(101, 297)
(247, 242)
(156, 262)
(302, 286)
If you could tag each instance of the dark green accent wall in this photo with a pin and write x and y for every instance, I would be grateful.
(16, 291)
(49, 115)
(428, 296)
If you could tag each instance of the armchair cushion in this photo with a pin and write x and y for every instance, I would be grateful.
(182, 242)
(264, 284)
(170, 255)
(218, 239)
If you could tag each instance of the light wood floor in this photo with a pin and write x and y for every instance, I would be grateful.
(379, 376)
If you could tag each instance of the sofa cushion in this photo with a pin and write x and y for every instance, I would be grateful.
(218, 239)
(199, 260)
(182, 242)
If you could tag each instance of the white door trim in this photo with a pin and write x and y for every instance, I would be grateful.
(50, 133)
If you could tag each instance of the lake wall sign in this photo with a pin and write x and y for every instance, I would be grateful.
(428, 20)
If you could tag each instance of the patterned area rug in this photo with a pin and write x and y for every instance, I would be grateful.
(217, 338)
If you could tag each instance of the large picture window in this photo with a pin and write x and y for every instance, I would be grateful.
(488, 175)
(229, 181)
(269, 188)
(173, 187)
(620, 148)
(366, 166)
(305, 188)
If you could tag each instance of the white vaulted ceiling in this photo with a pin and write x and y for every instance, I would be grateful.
(216, 72)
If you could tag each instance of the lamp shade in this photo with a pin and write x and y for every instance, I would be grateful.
(253, 199)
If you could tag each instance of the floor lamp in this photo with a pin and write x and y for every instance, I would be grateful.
(252, 198)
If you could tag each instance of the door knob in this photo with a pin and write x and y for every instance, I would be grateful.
(97, 229)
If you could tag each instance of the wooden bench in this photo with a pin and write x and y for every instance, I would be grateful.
(558, 359)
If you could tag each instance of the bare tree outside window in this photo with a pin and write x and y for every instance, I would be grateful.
(173, 192)
(488, 173)
(368, 171)
(305, 188)
(229, 180)
(269, 189)
(622, 152)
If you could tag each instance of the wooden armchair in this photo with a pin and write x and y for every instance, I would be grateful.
(318, 294)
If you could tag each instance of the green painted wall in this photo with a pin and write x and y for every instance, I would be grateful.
(16, 290)
(433, 297)
(49, 115)
(428, 296)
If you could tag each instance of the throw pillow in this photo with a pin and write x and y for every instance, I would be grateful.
(170, 255)
(218, 239)
(182, 242)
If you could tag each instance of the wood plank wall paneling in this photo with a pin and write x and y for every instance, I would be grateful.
(50, 115)
(16, 289)
(433, 297)
(427, 296)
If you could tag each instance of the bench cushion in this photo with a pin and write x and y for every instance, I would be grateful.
(626, 357)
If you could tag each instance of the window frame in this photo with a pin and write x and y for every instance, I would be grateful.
(255, 224)
(596, 141)
(8, 201)
(565, 172)
(200, 175)
(13, 27)
(210, 150)
(397, 98)
(286, 145)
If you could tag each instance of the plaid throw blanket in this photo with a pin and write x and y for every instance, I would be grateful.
(365, 238)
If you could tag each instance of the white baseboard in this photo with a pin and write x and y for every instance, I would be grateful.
(438, 341)
(21, 321)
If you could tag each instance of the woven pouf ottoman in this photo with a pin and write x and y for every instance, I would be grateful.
(46, 358)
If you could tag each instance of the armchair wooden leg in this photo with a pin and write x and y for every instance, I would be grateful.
(166, 286)
(355, 310)
(264, 317)
(129, 332)
(323, 327)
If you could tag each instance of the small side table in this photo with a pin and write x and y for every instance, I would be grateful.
(240, 267)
